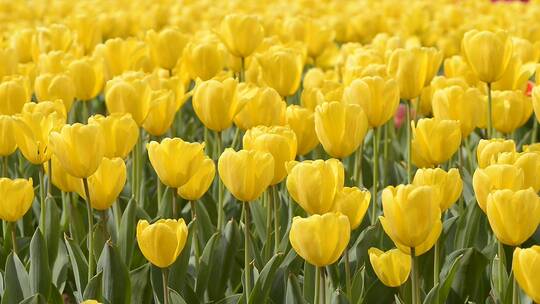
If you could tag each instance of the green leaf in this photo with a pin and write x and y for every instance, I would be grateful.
(471, 281)
(294, 292)
(52, 228)
(309, 282)
(175, 298)
(93, 288)
(17, 281)
(40, 273)
(206, 266)
(139, 281)
(468, 226)
(126, 233)
(59, 271)
(204, 224)
(178, 271)
(266, 278)
(116, 286)
(79, 265)
(35, 299)
(439, 293)
(55, 297)
(357, 287)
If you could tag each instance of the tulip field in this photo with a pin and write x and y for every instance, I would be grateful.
(280, 151)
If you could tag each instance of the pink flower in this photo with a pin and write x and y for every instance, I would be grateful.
(401, 115)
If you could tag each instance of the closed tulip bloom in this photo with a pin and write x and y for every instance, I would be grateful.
(496, 177)
(488, 53)
(432, 238)
(259, 106)
(176, 161)
(47, 108)
(14, 93)
(32, 135)
(242, 34)
(79, 148)
(525, 266)
(282, 69)
(162, 112)
(216, 103)
(391, 267)
(314, 34)
(515, 76)
(90, 302)
(8, 62)
(529, 162)
(246, 173)
(535, 148)
(55, 86)
(353, 203)
(203, 59)
(434, 141)
(489, 148)
(166, 46)
(302, 122)
(162, 242)
(379, 98)
(410, 214)
(311, 98)
(8, 143)
(131, 95)
(87, 74)
(513, 215)
(313, 184)
(106, 183)
(16, 196)
(61, 179)
(120, 133)
(320, 239)
(458, 103)
(413, 69)
(341, 128)
(199, 182)
(457, 67)
(277, 140)
(447, 186)
(55, 37)
(21, 42)
(121, 55)
(511, 110)
(438, 83)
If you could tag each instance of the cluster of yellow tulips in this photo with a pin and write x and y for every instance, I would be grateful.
(269, 151)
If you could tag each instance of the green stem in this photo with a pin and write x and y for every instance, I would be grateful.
(85, 111)
(195, 241)
(269, 202)
(235, 138)
(348, 274)
(277, 204)
(174, 204)
(489, 118)
(501, 266)
(414, 276)
(221, 214)
(159, 190)
(436, 264)
(247, 257)
(117, 214)
(5, 167)
(358, 178)
(408, 126)
(534, 130)
(13, 228)
(90, 239)
(323, 286)
(242, 69)
(42, 199)
(317, 286)
(376, 134)
(385, 153)
(515, 292)
(165, 279)
(49, 184)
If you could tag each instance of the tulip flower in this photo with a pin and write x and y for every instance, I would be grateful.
(21, 42)
(90, 302)
(120, 132)
(496, 177)
(528, 162)
(311, 98)
(61, 179)
(55, 37)
(488, 149)
(302, 122)
(510, 110)
(46, 108)
(128, 94)
(391, 267)
(434, 141)
(353, 203)
(14, 93)
(314, 34)
(513, 215)
(447, 186)
(425, 246)
(457, 67)
(535, 101)
(259, 106)
(526, 265)
(437, 83)
(8, 143)
(340, 128)
(161, 113)
(282, 69)
(242, 34)
(162, 242)
(458, 103)
(216, 103)
(314, 184)
(8, 62)
(278, 141)
(88, 77)
(515, 77)
(166, 46)
(55, 86)
(16, 196)
(203, 59)
(121, 55)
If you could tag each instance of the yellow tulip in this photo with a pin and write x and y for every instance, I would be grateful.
(55, 86)
(529, 162)
(88, 77)
(513, 215)
(379, 98)
(432, 238)
(282, 69)
(496, 177)
(14, 93)
(166, 46)
(176, 162)
(320, 239)
(16, 196)
(302, 122)
(311, 98)
(413, 69)
(8, 62)
(90, 302)
(128, 94)
(353, 203)
(535, 148)
(8, 143)
(216, 103)
(47, 108)
(79, 148)
(488, 53)
(458, 103)
(447, 186)
(434, 141)
(21, 42)
(457, 67)
(314, 34)
(199, 182)
(511, 110)
(391, 267)
(88, 32)
(259, 106)
(246, 173)
(32, 135)
(410, 214)
(535, 100)
(525, 50)
(487, 149)
(438, 83)
(161, 113)
(314, 184)
(120, 133)
(162, 242)
(526, 265)
(515, 76)
(55, 37)
(203, 59)
(55, 62)
(242, 34)
(340, 128)
(121, 55)
(61, 179)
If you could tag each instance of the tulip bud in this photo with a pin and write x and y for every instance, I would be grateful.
(353, 203)
(106, 183)
(55, 62)
(487, 53)
(525, 266)
(496, 177)
(434, 141)
(447, 186)
(515, 77)
(340, 128)
(21, 42)
(16, 196)
(162, 242)
(14, 93)
(88, 32)
(314, 184)
(46, 108)
(203, 59)
(55, 37)
(438, 83)
(282, 69)
(90, 302)
(161, 113)
(61, 179)
(410, 214)
(259, 106)
(314, 34)
(529, 162)
(487, 149)
(246, 173)
(535, 148)
(242, 34)
(391, 267)
(302, 122)
(128, 94)
(215, 103)
(8, 62)
(457, 67)
(513, 215)
(55, 86)
(379, 98)
(320, 239)
(425, 246)
(457, 103)
(88, 77)
(199, 182)
(120, 132)
(8, 143)
(121, 55)
(311, 98)
(79, 148)
(166, 46)
(510, 110)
